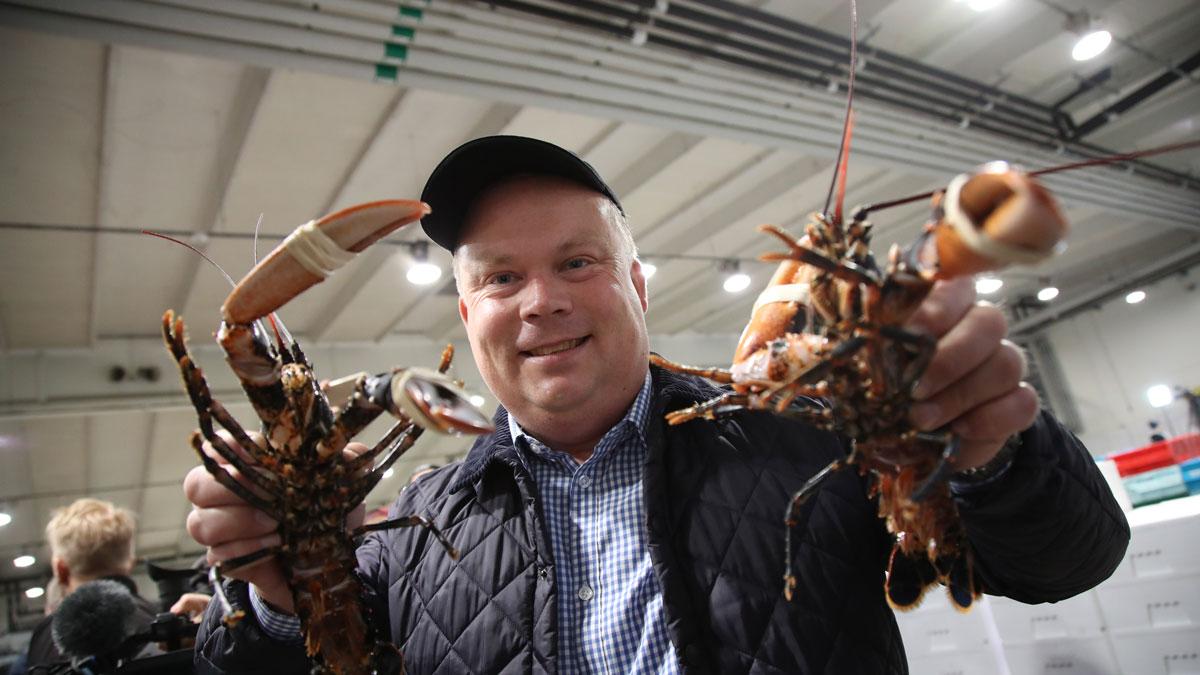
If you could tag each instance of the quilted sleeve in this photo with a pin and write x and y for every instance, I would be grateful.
(1050, 528)
(245, 648)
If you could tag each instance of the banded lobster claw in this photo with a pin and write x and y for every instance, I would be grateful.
(311, 253)
(991, 218)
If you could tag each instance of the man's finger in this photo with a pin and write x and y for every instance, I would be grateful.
(943, 307)
(203, 490)
(241, 547)
(965, 347)
(1001, 417)
(213, 527)
(1000, 372)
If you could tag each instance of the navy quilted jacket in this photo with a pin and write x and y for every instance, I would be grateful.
(715, 498)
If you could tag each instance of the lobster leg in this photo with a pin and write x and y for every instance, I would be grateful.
(410, 521)
(228, 481)
(841, 269)
(793, 512)
(715, 374)
(362, 489)
(712, 408)
(368, 458)
(942, 470)
(230, 616)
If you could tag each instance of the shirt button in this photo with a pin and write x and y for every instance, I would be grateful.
(585, 481)
(585, 593)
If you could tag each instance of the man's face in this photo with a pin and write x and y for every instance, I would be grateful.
(553, 304)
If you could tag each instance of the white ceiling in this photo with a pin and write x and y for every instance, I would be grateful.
(127, 115)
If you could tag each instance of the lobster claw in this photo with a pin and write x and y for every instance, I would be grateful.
(436, 402)
(311, 253)
(991, 218)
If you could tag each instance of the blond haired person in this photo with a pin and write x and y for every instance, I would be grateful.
(89, 540)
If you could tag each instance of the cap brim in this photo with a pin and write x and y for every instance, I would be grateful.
(473, 167)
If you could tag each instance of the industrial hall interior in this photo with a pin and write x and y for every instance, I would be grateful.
(212, 228)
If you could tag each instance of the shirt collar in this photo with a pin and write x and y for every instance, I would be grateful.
(634, 421)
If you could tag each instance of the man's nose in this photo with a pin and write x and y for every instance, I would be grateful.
(544, 297)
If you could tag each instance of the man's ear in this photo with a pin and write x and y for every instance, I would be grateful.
(462, 310)
(61, 571)
(639, 283)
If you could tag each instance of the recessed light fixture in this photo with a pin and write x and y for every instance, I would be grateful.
(34, 592)
(1091, 45)
(983, 5)
(477, 400)
(5, 518)
(24, 561)
(736, 281)
(1047, 294)
(422, 272)
(988, 285)
(1135, 297)
(1159, 396)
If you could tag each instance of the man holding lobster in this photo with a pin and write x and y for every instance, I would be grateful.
(595, 538)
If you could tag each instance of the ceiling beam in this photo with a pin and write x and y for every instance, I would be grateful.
(251, 87)
(107, 69)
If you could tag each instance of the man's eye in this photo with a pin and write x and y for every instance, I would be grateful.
(502, 278)
(576, 263)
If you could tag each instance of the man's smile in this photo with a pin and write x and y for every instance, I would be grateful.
(555, 347)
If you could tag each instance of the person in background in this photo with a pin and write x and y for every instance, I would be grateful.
(89, 540)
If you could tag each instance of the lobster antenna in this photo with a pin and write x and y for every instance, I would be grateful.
(843, 150)
(195, 250)
(254, 248)
(1111, 159)
(276, 322)
(1117, 158)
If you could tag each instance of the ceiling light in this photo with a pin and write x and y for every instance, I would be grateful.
(34, 592)
(983, 5)
(1135, 297)
(1047, 294)
(1091, 44)
(1159, 396)
(477, 400)
(736, 281)
(988, 285)
(24, 561)
(5, 518)
(648, 269)
(389, 473)
(422, 272)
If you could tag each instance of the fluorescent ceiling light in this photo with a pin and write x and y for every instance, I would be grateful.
(1090, 45)
(1135, 297)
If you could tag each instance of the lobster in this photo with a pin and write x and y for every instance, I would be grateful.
(826, 344)
(298, 473)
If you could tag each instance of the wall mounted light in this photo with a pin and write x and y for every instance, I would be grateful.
(422, 272)
(736, 281)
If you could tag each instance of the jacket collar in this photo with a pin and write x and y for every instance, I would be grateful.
(669, 392)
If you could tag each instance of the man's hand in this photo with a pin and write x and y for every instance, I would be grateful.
(973, 384)
(229, 527)
(191, 605)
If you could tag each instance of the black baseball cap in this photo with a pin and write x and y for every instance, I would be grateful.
(476, 165)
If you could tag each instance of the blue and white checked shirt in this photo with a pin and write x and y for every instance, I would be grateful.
(610, 606)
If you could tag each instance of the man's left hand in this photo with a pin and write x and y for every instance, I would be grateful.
(973, 384)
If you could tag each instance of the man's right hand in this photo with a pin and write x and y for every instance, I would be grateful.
(229, 527)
